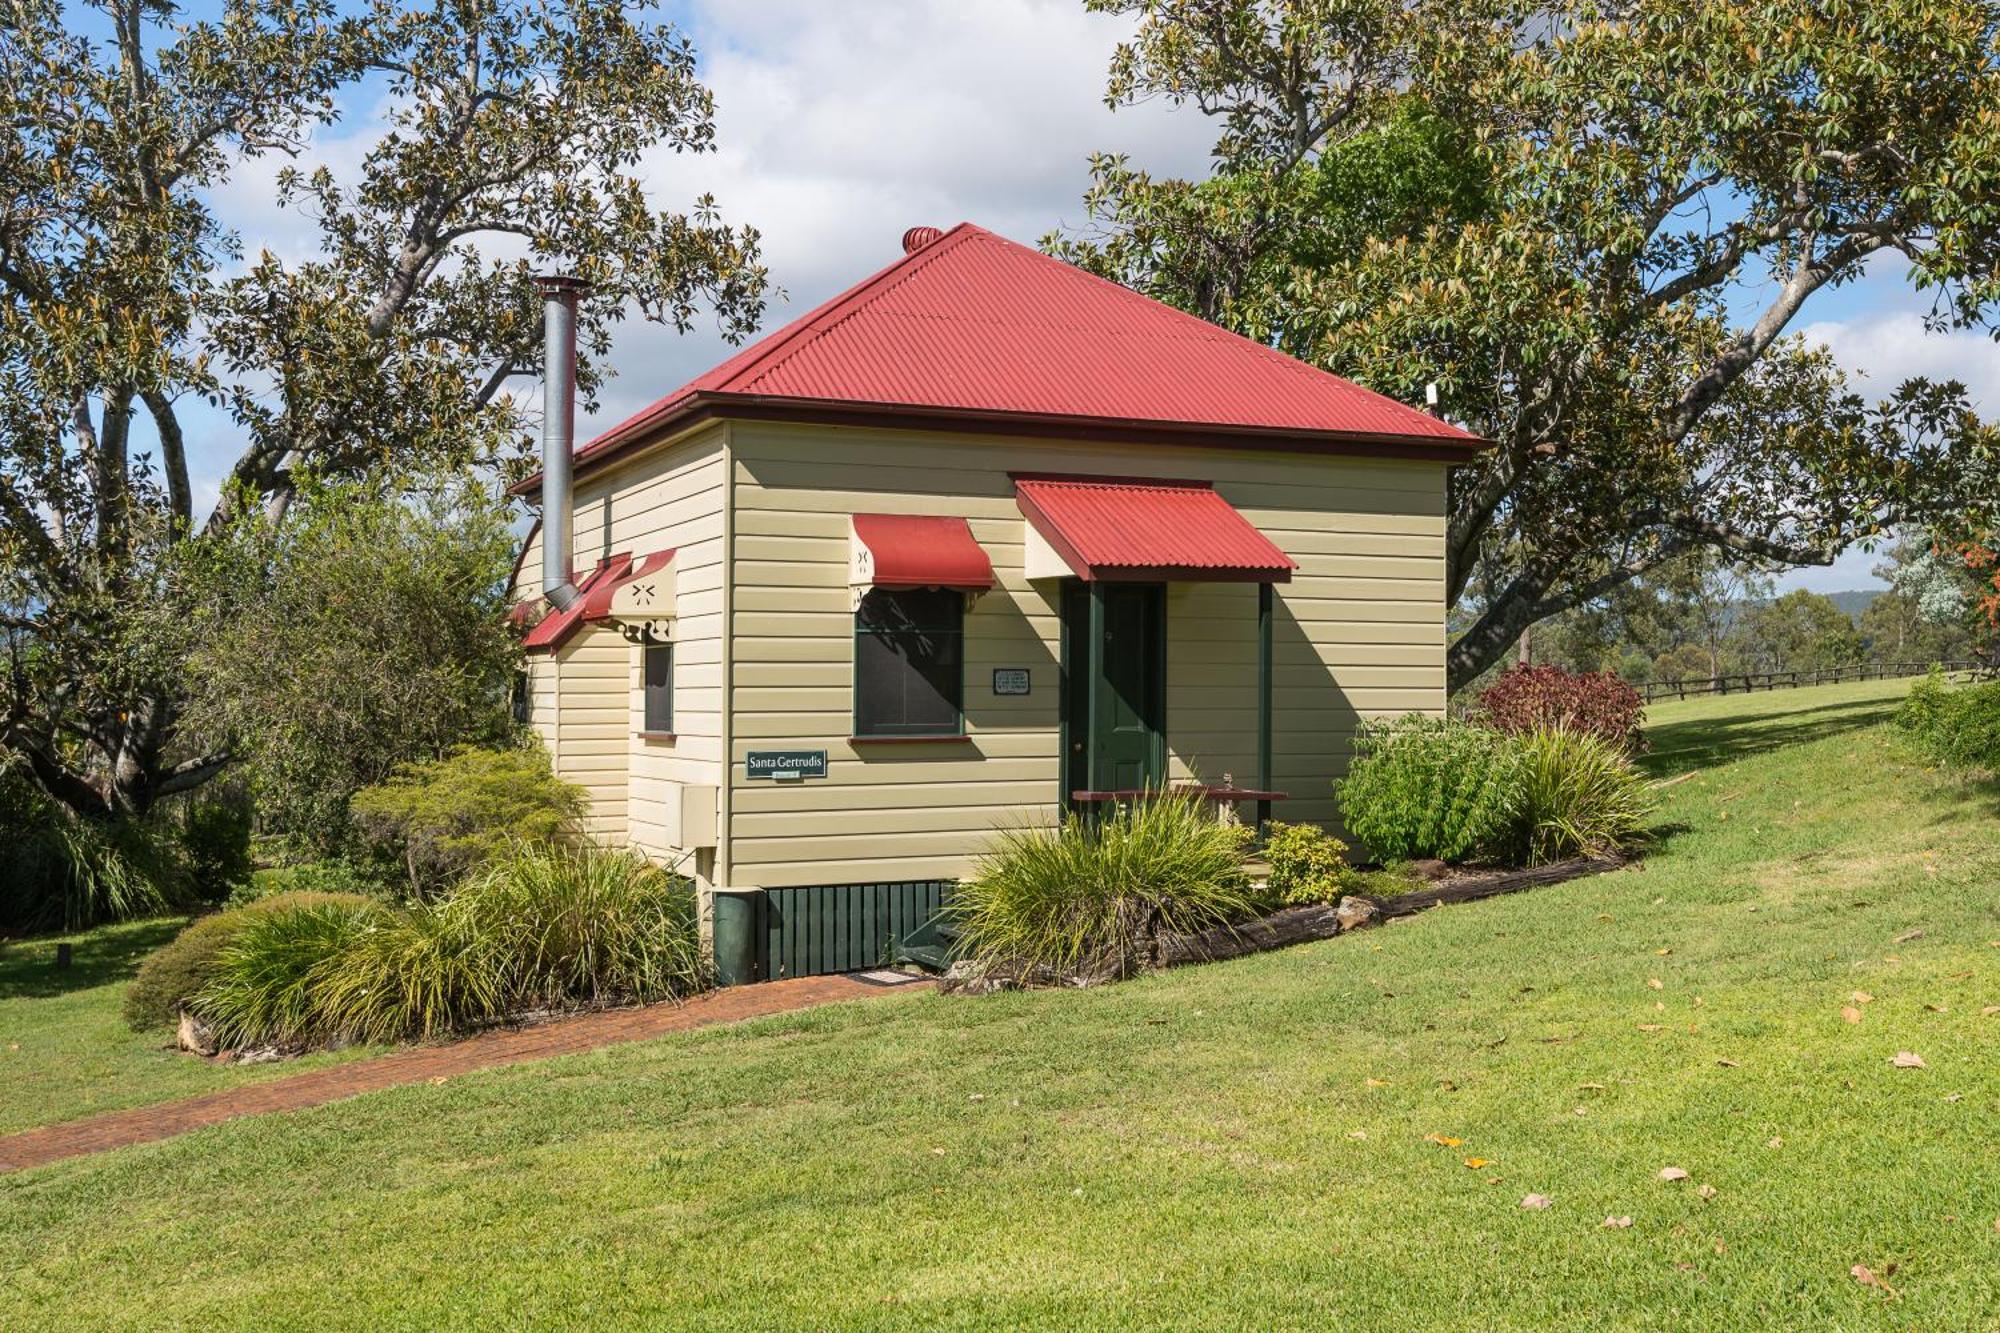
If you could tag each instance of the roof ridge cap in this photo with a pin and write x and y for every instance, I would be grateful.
(837, 310)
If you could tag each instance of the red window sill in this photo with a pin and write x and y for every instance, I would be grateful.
(656, 736)
(909, 740)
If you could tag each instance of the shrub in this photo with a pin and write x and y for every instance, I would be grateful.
(173, 974)
(435, 822)
(579, 923)
(59, 871)
(215, 835)
(1574, 793)
(1428, 787)
(1086, 890)
(545, 925)
(1535, 698)
(333, 876)
(1307, 863)
(269, 982)
(1955, 726)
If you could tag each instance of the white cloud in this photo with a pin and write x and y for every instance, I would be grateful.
(838, 126)
(1887, 348)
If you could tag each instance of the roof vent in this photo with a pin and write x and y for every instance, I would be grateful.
(916, 238)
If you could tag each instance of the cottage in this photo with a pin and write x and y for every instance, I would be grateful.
(980, 541)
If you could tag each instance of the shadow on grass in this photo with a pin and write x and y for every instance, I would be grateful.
(28, 967)
(1678, 747)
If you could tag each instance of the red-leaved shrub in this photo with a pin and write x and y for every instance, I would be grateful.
(1597, 702)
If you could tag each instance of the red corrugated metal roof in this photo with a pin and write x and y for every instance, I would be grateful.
(923, 551)
(976, 324)
(1161, 530)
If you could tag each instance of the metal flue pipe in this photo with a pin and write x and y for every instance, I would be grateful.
(559, 295)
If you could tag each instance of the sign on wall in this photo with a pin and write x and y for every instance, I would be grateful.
(785, 765)
(1010, 680)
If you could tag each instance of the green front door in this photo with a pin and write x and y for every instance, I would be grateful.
(1115, 637)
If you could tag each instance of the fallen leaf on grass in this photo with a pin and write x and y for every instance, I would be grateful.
(1850, 1013)
(1535, 1201)
(1672, 1173)
(438, 1081)
(1443, 1140)
(1376, 1082)
(1729, 1064)
(1987, 1012)
(1359, 1135)
(1775, 1142)
(1476, 1162)
(1862, 997)
(1649, 1027)
(1590, 1087)
(1908, 1060)
(1617, 1223)
(1708, 1191)
(1935, 1009)
(1654, 983)
(1907, 936)
(1863, 1274)
(1661, 953)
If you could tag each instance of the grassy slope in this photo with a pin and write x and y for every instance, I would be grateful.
(1184, 1149)
(66, 1053)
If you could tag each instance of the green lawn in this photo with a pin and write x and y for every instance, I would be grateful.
(1242, 1145)
(65, 1051)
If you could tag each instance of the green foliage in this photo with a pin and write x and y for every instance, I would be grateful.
(176, 972)
(1639, 169)
(433, 822)
(1425, 787)
(1308, 864)
(214, 833)
(268, 984)
(330, 876)
(1574, 793)
(1958, 726)
(580, 924)
(386, 611)
(63, 871)
(1800, 631)
(544, 926)
(1088, 889)
(509, 141)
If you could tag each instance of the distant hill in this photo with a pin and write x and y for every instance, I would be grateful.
(1854, 601)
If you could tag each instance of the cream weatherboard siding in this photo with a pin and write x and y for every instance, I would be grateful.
(1358, 632)
(671, 495)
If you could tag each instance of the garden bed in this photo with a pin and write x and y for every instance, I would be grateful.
(1276, 930)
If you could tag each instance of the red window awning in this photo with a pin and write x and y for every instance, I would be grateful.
(917, 551)
(1148, 531)
(647, 589)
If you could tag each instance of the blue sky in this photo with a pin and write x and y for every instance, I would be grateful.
(841, 124)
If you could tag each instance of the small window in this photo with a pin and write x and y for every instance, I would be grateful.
(909, 660)
(660, 688)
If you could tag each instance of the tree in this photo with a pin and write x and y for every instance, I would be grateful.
(1800, 631)
(513, 132)
(1925, 614)
(1654, 191)
(363, 630)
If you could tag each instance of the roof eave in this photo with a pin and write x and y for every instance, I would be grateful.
(706, 405)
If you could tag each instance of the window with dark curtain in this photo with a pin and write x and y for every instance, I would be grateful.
(909, 660)
(660, 687)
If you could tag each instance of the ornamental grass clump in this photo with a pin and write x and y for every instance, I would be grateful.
(1429, 788)
(1098, 888)
(1575, 794)
(175, 973)
(545, 926)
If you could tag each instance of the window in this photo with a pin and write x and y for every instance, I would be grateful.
(660, 688)
(909, 676)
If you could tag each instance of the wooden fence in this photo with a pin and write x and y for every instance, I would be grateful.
(1746, 681)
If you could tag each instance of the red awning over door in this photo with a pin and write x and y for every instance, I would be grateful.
(917, 551)
(1149, 531)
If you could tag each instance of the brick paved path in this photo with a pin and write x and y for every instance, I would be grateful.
(563, 1036)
